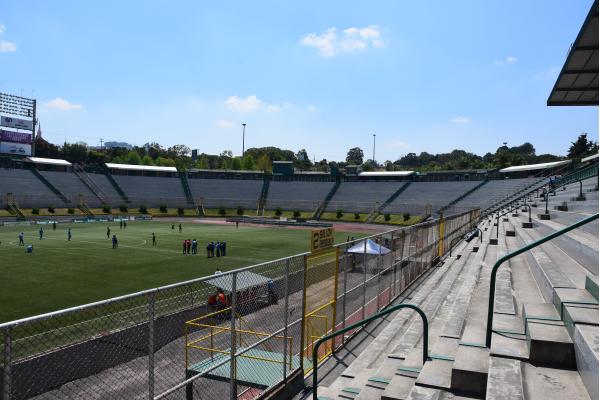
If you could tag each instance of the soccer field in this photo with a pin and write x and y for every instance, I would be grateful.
(60, 274)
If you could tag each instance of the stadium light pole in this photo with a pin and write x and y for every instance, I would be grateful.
(374, 149)
(243, 139)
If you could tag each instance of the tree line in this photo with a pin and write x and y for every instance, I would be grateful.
(261, 158)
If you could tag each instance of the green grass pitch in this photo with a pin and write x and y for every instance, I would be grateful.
(60, 274)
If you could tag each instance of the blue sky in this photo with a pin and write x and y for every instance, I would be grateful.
(321, 75)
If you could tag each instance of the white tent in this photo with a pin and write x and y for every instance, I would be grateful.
(369, 246)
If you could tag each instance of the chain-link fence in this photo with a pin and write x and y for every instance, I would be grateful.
(187, 340)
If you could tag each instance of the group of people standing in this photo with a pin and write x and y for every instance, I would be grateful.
(190, 246)
(218, 249)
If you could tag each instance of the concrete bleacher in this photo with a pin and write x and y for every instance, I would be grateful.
(28, 190)
(71, 186)
(362, 196)
(108, 190)
(228, 193)
(545, 340)
(301, 195)
(421, 194)
(493, 192)
(152, 191)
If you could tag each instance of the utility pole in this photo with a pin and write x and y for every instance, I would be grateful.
(243, 139)
(374, 150)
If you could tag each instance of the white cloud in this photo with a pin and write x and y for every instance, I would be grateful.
(249, 103)
(6, 47)
(332, 42)
(61, 104)
(460, 120)
(273, 108)
(311, 108)
(509, 60)
(399, 145)
(2, 28)
(224, 124)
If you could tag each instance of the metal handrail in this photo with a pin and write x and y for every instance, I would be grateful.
(490, 317)
(358, 324)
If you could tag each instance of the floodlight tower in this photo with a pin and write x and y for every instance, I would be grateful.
(243, 139)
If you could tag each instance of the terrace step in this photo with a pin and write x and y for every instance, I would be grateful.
(569, 296)
(550, 344)
(585, 338)
(591, 285)
(541, 383)
(470, 370)
(505, 380)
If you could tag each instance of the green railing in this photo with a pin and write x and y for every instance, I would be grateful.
(358, 324)
(490, 318)
(578, 175)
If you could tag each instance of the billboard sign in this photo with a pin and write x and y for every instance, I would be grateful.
(16, 123)
(18, 149)
(16, 137)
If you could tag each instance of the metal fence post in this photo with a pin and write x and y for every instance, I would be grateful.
(151, 303)
(285, 317)
(6, 382)
(232, 361)
(364, 303)
(345, 285)
(378, 273)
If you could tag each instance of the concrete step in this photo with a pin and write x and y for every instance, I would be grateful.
(550, 344)
(437, 371)
(542, 383)
(575, 249)
(585, 338)
(398, 388)
(591, 285)
(539, 312)
(547, 274)
(579, 314)
(569, 296)
(470, 370)
(510, 346)
(505, 380)
(504, 301)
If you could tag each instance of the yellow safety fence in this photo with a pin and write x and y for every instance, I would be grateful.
(219, 344)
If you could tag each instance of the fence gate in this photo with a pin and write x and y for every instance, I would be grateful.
(320, 300)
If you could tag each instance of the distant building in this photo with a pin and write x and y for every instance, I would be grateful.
(122, 145)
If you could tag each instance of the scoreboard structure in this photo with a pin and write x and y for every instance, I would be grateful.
(17, 125)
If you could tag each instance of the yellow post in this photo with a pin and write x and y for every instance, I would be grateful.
(442, 224)
(211, 343)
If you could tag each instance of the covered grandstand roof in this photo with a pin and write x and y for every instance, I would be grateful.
(590, 158)
(387, 173)
(534, 167)
(141, 167)
(51, 161)
(577, 83)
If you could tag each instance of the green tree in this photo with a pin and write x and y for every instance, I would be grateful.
(582, 147)
(355, 156)
(236, 164)
(248, 163)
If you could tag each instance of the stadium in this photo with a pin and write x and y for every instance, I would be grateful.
(142, 280)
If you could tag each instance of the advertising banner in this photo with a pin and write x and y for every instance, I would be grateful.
(15, 148)
(16, 123)
(16, 137)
